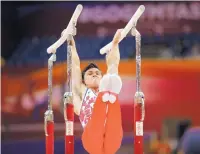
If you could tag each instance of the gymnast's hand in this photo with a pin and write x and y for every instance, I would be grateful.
(72, 42)
(117, 37)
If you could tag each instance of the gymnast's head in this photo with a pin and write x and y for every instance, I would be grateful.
(91, 76)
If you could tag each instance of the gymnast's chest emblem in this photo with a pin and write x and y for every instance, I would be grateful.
(87, 107)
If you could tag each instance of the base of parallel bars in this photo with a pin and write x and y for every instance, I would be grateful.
(69, 144)
(138, 145)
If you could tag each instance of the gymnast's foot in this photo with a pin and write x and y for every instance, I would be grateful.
(111, 85)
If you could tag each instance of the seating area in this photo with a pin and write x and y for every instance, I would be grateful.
(33, 50)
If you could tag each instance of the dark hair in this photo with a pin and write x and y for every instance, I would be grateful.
(91, 65)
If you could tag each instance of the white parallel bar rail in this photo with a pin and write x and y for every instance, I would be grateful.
(132, 23)
(63, 38)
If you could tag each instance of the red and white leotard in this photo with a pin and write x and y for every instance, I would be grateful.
(87, 107)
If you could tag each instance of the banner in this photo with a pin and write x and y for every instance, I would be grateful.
(105, 18)
(158, 18)
(156, 89)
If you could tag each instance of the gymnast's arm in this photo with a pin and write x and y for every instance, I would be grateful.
(77, 87)
(113, 56)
